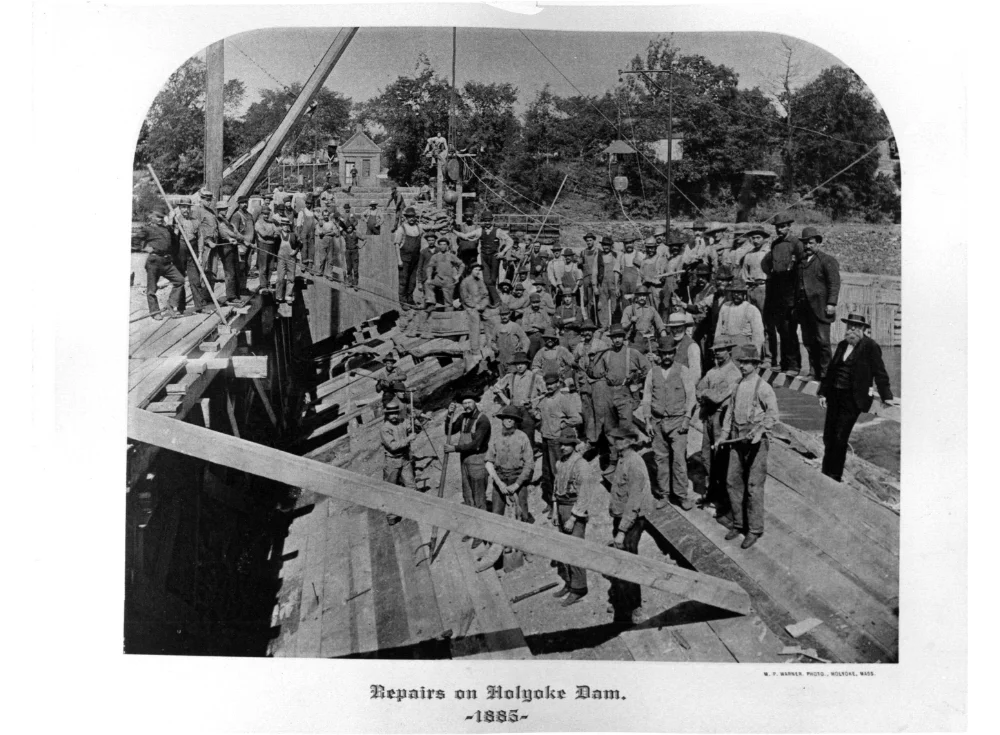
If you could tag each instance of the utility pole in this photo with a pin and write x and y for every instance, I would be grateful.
(670, 124)
(214, 110)
(451, 124)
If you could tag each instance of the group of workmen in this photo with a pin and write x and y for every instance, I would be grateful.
(286, 236)
(675, 346)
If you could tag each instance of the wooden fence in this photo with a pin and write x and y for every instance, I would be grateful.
(878, 298)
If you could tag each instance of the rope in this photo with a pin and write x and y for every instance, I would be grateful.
(252, 61)
(628, 111)
(620, 202)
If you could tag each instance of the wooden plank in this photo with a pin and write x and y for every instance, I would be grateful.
(179, 329)
(361, 607)
(139, 369)
(392, 629)
(705, 645)
(422, 609)
(748, 639)
(336, 625)
(287, 609)
(153, 383)
(249, 366)
(379, 495)
(310, 632)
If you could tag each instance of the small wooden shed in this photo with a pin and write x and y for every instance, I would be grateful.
(363, 154)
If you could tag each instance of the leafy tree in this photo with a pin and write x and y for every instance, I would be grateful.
(331, 118)
(489, 126)
(839, 105)
(172, 137)
(409, 110)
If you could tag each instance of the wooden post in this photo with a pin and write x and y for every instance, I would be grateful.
(214, 109)
(440, 184)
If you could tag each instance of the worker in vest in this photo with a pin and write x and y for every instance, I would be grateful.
(407, 239)
(396, 442)
(750, 416)
(712, 393)
(538, 261)
(614, 371)
(475, 298)
(187, 264)
(327, 233)
(553, 357)
(490, 242)
(680, 325)
(522, 388)
(590, 346)
(589, 257)
(575, 496)
(442, 274)
(288, 250)
(513, 257)
(739, 321)
(668, 401)
(555, 412)
(567, 314)
(268, 239)
(243, 223)
(225, 249)
(467, 236)
(508, 340)
(722, 280)
(305, 230)
(631, 502)
(392, 384)
(534, 322)
(510, 461)
(373, 219)
(781, 264)
(470, 437)
(608, 282)
(642, 323)
(631, 260)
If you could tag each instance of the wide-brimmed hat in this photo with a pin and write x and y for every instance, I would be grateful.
(659, 230)
(373, 203)
(783, 219)
(666, 345)
(724, 272)
(549, 333)
(679, 319)
(606, 240)
(623, 432)
(393, 406)
(757, 230)
(468, 394)
(651, 243)
(677, 238)
(568, 436)
(486, 216)
(520, 358)
(616, 330)
(704, 268)
(588, 326)
(641, 292)
(746, 353)
(509, 412)
(699, 224)
(391, 357)
(856, 319)
(518, 286)
(409, 211)
(717, 228)
(506, 284)
(738, 284)
(722, 343)
(551, 378)
(810, 232)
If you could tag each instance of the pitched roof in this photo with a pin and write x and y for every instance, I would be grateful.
(359, 142)
(620, 147)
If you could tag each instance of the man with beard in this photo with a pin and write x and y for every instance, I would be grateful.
(510, 461)
(523, 388)
(688, 351)
(556, 413)
(780, 265)
(508, 340)
(396, 442)
(590, 347)
(845, 391)
(817, 288)
(614, 372)
(641, 322)
(668, 401)
(553, 357)
(713, 392)
(575, 495)
(751, 414)
(470, 437)
(739, 321)
(408, 238)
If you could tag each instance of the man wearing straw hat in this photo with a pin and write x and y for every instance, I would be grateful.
(845, 390)
(751, 414)
(510, 461)
(739, 321)
(396, 441)
(817, 288)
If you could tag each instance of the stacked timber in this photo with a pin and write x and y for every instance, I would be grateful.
(433, 219)
(545, 230)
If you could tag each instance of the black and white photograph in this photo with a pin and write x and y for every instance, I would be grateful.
(459, 345)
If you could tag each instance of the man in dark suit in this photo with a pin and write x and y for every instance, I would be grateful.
(844, 391)
(779, 296)
(817, 288)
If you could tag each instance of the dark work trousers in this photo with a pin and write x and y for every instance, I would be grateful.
(841, 415)
(266, 260)
(745, 483)
(716, 464)
(550, 456)
(242, 268)
(612, 408)
(780, 323)
(324, 255)
(353, 257)
(230, 265)
(670, 450)
(474, 481)
(626, 596)
(535, 343)
(589, 420)
(816, 339)
(574, 577)
(398, 471)
(468, 256)
(491, 274)
(528, 425)
(407, 276)
(500, 500)
(188, 266)
(162, 265)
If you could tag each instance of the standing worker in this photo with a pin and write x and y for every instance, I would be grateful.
(187, 263)
(575, 496)
(470, 437)
(373, 219)
(508, 341)
(739, 321)
(553, 357)
(780, 265)
(441, 276)
(631, 502)
(609, 274)
(590, 346)
(396, 442)
(668, 401)
(353, 242)
(845, 391)
(305, 231)
(642, 323)
(817, 289)
(510, 461)
(407, 239)
(713, 392)
(243, 222)
(614, 371)
(750, 416)
(158, 240)
(268, 239)
(523, 388)
(475, 298)
(556, 413)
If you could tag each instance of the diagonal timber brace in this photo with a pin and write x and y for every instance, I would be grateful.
(351, 487)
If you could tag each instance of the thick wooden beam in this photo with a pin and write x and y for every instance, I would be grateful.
(214, 106)
(362, 490)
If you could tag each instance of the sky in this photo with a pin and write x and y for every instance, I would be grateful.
(591, 60)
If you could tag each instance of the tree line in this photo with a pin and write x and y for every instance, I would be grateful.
(822, 127)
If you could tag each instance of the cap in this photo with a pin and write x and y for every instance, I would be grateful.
(783, 219)
(509, 412)
(809, 233)
(393, 406)
(409, 211)
(518, 286)
(520, 358)
(606, 240)
(549, 333)
(568, 436)
(746, 353)
(535, 297)
(205, 194)
(738, 284)
(588, 326)
(666, 345)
